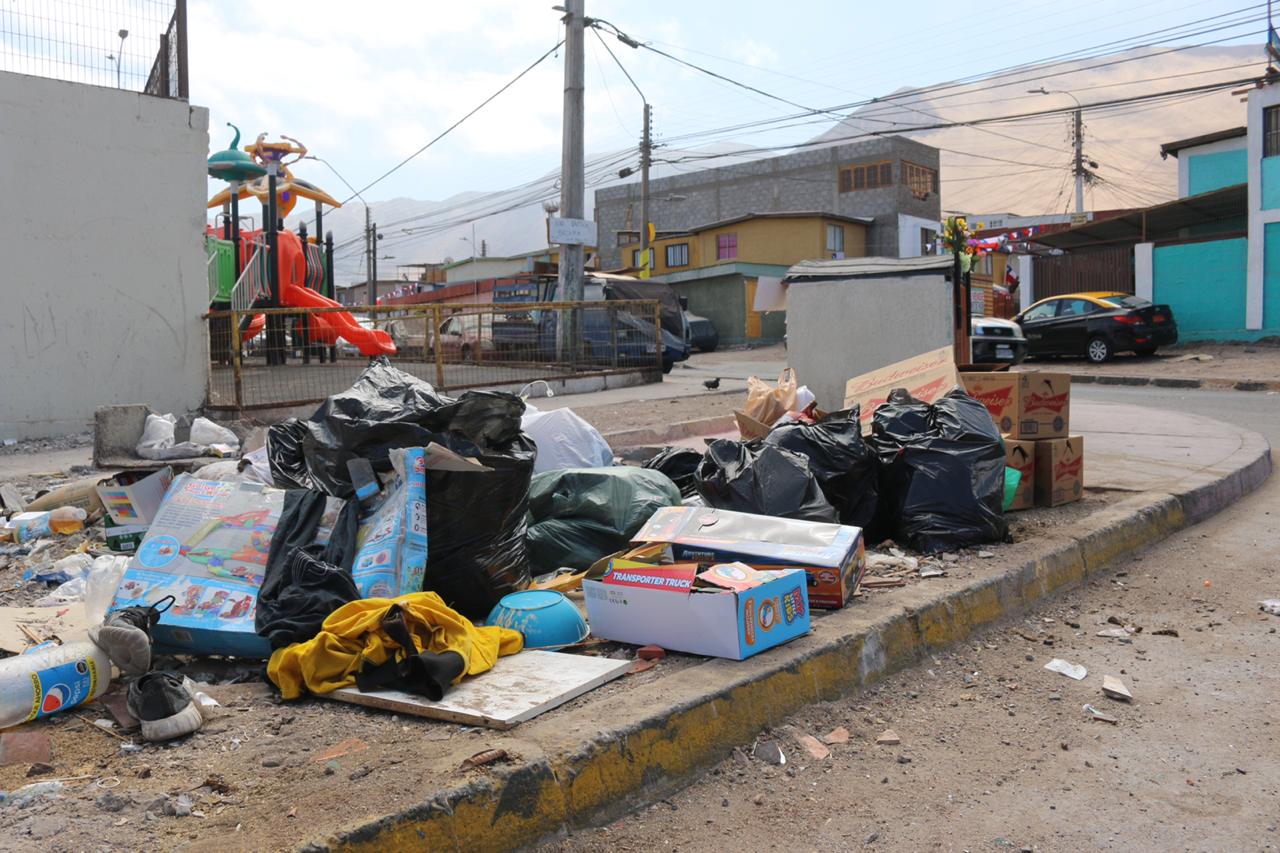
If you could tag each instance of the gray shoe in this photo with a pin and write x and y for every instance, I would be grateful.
(126, 636)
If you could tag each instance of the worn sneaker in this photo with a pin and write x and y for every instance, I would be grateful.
(165, 704)
(126, 636)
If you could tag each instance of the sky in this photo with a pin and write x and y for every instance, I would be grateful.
(365, 85)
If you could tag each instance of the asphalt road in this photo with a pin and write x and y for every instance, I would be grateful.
(998, 754)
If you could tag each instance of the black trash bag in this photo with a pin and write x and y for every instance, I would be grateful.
(476, 549)
(845, 465)
(476, 521)
(284, 454)
(678, 463)
(942, 471)
(761, 479)
(578, 515)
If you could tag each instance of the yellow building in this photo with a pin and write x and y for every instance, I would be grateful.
(716, 267)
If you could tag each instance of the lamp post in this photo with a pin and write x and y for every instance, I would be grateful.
(124, 34)
(1078, 165)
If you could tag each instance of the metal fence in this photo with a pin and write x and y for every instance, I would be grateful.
(453, 347)
(138, 45)
(1109, 268)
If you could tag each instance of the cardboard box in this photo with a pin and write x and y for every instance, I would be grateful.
(133, 497)
(124, 538)
(644, 604)
(392, 541)
(832, 555)
(926, 377)
(1029, 405)
(207, 546)
(1059, 470)
(1022, 455)
(750, 428)
(82, 494)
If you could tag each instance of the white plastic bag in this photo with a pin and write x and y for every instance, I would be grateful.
(206, 432)
(565, 441)
(803, 398)
(94, 584)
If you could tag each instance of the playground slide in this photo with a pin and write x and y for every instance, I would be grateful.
(370, 342)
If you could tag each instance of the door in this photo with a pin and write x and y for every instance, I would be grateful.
(1069, 330)
(754, 318)
(1035, 324)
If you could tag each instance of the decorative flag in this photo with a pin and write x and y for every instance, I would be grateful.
(1010, 277)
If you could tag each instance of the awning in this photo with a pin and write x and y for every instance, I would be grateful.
(1164, 222)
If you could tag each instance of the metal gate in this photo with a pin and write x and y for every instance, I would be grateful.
(1109, 269)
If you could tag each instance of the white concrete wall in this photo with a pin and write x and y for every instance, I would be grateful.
(103, 280)
(1144, 270)
(909, 234)
(1259, 219)
(837, 330)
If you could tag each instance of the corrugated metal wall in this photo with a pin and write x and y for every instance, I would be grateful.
(1105, 269)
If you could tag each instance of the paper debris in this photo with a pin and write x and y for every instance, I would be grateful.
(1070, 670)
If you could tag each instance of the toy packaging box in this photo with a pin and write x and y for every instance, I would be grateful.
(643, 603)
(833, 555)
(207, 547)
(392, 556)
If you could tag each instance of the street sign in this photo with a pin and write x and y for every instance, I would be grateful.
(571, 232)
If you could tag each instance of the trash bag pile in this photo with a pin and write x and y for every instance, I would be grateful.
(942, 472)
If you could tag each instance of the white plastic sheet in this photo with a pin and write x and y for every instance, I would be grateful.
(565, 441)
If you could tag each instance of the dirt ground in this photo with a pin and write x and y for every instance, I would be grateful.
(659, 413)
(1231, 362)
(996, 752)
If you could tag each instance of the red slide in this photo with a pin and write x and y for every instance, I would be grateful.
(324, 328)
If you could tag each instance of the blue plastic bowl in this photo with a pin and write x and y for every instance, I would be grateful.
(547, 619)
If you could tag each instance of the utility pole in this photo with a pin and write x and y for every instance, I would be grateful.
(572, 179)
(1079, 162)
(646, 149)
(368, 257)
(373, 264)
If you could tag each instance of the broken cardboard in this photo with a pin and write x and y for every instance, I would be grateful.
(1059, 470)
(642, 604)
(133, 498)
(833, 555)
(926, 377)
(82, 494)
(24, 627)
(517, 688)
(1022, 456)
(1030, 405)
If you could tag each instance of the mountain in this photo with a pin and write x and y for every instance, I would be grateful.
(1020, 167)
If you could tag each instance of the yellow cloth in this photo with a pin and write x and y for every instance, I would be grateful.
(353, 634)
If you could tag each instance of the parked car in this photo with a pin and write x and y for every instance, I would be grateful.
(702, 333)
(992, 340)
(462, 337)
(1097, 326)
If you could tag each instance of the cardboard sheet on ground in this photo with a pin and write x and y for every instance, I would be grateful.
(24, 627)
(518, 688)
(926, 377)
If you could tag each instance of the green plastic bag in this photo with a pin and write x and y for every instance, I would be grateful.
(578, 515)
(1012, 477)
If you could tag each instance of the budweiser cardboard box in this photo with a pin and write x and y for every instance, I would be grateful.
(1059, 470)
(926, 377)
(1022, 455)
(1029, 406)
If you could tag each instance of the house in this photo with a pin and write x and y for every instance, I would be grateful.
(890, 180)
(717, 266)
(1212, 255)
(541, 261)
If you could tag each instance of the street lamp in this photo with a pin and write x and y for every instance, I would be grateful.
(1078, 167)
(124, 34)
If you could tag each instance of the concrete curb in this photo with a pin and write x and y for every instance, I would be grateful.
(638, 755)
(1173, 382)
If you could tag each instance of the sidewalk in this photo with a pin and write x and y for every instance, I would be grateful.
(263, 774)
(1253, 367)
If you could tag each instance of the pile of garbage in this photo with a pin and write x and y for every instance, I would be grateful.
(400, 543)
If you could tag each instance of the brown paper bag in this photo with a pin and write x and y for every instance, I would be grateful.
(767, 403)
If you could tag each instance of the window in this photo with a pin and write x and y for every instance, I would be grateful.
(626, 238)
(726, 246)
(928, 241)
(835, 241)
(1075, 307)
(984, 266)
(1270, 131)
(678, 255)
(1043, 311)
(636, 257)
(869, 176)
(1121, 301)
(919, 179)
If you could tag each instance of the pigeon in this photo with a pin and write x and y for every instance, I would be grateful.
(712, 384)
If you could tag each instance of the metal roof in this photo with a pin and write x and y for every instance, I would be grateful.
(870, 267)
(1203, 139)
(1155, 224)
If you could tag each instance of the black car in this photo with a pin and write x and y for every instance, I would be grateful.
(702, 333)
(1097, 326)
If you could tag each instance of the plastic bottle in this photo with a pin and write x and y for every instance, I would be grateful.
(50, 680)
(67, 520)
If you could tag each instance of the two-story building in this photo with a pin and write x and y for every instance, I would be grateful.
(717, 266)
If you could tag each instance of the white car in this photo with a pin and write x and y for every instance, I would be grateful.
(992, 340)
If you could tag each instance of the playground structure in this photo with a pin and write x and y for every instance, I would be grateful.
(274, 267)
